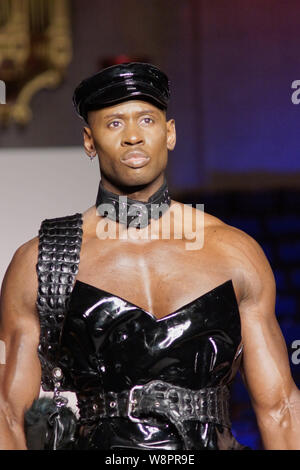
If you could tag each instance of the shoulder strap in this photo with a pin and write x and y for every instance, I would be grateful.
(58, 260)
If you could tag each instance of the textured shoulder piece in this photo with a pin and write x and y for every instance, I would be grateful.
(58, 260)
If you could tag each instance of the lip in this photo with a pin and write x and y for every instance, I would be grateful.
(135, 159)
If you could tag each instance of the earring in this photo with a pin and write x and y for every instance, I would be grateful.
(92, 156)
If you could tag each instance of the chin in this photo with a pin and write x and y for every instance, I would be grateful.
(134, 179)
(138, 179)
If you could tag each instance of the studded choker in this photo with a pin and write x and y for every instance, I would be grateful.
(131, 212)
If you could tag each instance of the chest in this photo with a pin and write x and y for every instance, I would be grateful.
(159, 276)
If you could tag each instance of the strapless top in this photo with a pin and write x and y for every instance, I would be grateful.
(109, 344)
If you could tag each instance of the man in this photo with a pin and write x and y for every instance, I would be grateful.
(154, 331)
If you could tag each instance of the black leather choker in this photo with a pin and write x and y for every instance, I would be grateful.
(131, 212)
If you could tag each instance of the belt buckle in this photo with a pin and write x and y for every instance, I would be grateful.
(132, 402)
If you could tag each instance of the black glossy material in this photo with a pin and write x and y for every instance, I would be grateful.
(57, 266)
(131, 212)
(122, 82)
(110, 344)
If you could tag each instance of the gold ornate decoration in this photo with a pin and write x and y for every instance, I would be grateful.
(35, 50)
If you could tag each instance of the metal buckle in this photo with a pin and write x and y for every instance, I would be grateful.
(132, 402)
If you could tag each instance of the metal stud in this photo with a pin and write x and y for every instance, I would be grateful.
(57, 373)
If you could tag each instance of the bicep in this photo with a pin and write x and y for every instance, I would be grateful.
(265, 365)
(19, 331)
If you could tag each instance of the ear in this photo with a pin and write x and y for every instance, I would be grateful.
(88, 142)
(171, 134)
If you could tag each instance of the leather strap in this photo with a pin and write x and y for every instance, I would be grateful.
(131, 212)
(58, 259)
(158, 398)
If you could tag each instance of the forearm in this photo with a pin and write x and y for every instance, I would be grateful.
(280, 427)
(12, 436)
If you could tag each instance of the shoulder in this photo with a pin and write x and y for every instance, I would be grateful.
(20, 275)
(22, 262)
(70, 220)
(25, 251)
(245, 252)
(246, 257)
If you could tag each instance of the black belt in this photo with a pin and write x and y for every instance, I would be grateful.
(158, 398)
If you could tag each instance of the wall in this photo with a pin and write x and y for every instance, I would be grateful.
(38, 183)
(231, 66)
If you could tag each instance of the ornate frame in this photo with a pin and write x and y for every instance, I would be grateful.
(35, 50)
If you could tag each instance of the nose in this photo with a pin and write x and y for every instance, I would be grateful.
(132, 135)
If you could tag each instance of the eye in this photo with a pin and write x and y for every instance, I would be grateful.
(148, 120)
(114, 124)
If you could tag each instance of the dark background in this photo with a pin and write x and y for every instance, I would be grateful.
(231, 64)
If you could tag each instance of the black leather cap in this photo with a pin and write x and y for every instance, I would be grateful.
(122, 82)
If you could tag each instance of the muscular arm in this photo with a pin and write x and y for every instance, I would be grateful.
(265, 368)
(19, 329)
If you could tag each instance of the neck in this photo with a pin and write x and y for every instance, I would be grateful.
(140, 192)
(130, 211)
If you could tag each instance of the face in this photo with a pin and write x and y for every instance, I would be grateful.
(132, 140)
